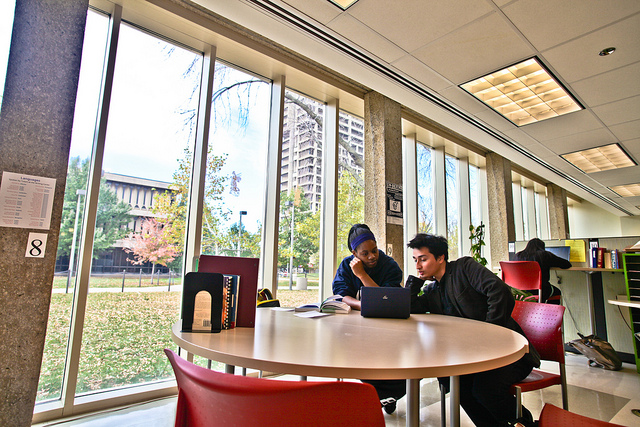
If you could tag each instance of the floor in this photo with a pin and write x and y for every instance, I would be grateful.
(593, 392)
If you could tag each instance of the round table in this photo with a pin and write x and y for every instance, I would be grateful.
(351, 346)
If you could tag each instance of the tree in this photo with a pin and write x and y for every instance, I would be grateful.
(152, 244)
(297, 209)
(112, 215)
(350, 210)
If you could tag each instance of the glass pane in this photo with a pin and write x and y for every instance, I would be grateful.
(6, 28)
(133, 298)
(300, 200)
(236, 164)
(350, 179)
(425, 189)
(87, 103)
(474, 195)
(525, 212)
(453, 219)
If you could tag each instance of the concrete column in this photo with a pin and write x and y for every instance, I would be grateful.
(558, 213)
(35, 136)
(500, 204)
(382, 167)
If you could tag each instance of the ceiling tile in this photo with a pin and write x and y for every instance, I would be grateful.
(626, 131)
(630, 175)
(419, 71)
(365, 37)
(632, 147)
(562, 126)
(463, 100)
(609, 87)
(321, 11)
(463, 55)
(547, 23)
(414, 23)
(495, 120)
(580, 141)
(579, 59)
(618, 112)
(517, 135)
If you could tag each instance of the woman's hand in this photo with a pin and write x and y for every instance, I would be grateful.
(357, 267)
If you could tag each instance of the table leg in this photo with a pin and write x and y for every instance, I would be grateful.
(229, 369)
(454, 400)
(413, 402)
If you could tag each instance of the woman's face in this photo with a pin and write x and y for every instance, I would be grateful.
(367, 252)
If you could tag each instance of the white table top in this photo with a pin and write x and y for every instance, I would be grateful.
(350, 346)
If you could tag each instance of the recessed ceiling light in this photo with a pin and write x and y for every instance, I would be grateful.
(598, 159)
(607, 51)
(523, 93)
(629, 190)
(343, 4)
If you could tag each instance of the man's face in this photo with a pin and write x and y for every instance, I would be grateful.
(428, 266)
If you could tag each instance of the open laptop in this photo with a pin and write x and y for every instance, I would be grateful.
(393, 302)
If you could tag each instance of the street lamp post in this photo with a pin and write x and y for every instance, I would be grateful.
(240, 231)
(293, 214)
(73, 242)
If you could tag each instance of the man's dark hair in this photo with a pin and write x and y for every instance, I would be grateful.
(437, 245)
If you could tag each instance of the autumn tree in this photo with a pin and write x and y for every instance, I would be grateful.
(153, 244)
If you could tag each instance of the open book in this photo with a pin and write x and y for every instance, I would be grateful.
(333, 304)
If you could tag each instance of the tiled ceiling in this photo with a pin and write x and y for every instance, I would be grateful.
(443, 43)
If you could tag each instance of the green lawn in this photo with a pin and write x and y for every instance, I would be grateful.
(123, 337)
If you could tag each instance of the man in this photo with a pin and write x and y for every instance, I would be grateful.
(464, 288)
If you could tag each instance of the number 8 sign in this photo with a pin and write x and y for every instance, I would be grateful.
(36, 245)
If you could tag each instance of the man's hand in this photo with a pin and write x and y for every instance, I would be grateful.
(415, 284)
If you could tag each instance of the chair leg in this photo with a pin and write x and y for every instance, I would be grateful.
(443, 406)
(563, 385)
(518, 402)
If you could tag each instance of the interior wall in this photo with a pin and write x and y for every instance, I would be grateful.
(588, 220)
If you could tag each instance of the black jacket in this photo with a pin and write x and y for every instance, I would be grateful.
(475, 293)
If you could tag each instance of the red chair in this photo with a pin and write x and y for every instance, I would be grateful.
(523, 275)
(210, 398)
(542, 324)
(552, 416)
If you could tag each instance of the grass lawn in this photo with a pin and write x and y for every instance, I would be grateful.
(123, 337)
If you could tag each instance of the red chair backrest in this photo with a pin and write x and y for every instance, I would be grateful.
(523, 275)
(542, 324)
(210, 398)
(552, 416)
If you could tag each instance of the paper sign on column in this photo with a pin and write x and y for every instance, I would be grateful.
(26, 201)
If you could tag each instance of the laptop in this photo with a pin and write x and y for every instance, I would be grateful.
(391, 302)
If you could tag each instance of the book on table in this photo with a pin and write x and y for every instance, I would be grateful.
(333, 304)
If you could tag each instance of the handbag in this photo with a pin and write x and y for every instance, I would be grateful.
(599, 352)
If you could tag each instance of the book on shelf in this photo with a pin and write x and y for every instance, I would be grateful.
(607, 260)
(600, 257)
(333, 304)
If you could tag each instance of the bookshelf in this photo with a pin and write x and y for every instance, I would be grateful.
(632, 280)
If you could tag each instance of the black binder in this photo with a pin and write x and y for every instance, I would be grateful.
(197, 282)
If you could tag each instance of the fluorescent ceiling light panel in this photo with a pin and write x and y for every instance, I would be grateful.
(598, 159)
(523, 93)
(629, 190)
(343, 4)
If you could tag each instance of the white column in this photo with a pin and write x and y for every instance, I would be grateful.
(543, 216)
(440, 191)
(531, 213)
(329, 216)
(271, 220)
(464, 207)
(517, 210)
(410, 198)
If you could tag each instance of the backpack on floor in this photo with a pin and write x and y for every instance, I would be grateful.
(599, 352)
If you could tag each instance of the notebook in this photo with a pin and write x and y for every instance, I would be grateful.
(393, 302)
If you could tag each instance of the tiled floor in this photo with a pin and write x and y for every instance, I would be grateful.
(593, 392)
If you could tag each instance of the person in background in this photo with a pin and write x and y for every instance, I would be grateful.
(535, 251)
(369, 266)
(464, 288)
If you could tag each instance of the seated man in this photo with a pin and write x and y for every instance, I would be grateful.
(464, 288)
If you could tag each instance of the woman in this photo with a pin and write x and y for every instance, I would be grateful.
(535, 251)
(368, 266)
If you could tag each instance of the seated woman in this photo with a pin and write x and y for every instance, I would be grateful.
(535, 251)
(369, 266)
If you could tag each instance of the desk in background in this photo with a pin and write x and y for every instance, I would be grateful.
(351, 346)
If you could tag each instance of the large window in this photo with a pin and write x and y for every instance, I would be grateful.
(350, 179)
(426, 223)
(6, 27)
(87, 105)
(300, 197)
(453, 217)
